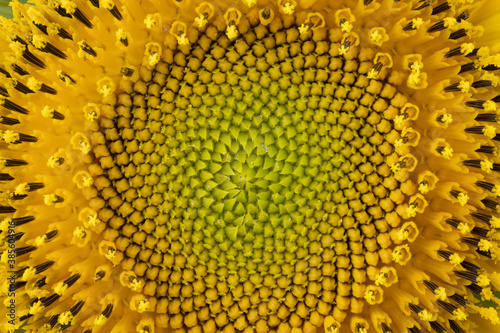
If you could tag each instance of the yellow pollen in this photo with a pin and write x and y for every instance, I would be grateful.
(464, 228)
(53, 162)
(143, 305)
(486, 166)
(79, 232)
(29, 274)
(121, 34)
(485, 245)
(487, 293)
(423, 188)
(455, 259)
(17, 48)
(482, 280)
(304, 28)
(105, 86)
(34, 84)
(288, 8)
(462, 198)
(464, 86)
(489, 131)
(53, 29)
(40, 240)
(467, 48)
(490, 314)
(100, 320)
(447, 118)
(48, 112)
(39, 41)
(231, 32)
(346, 26)
(4, 225)
(200, 21)
(80, 142)
(65, 318)
(425, 315)
(135, 284)
(10, 136)
(150, 21)
(417, 23)
(450, 22)
(401, 254)
(375, 36)
(440, 293)
(181, 39)
(50, 199)
(22, 189)
(108, 4)
(69, 6)
(60, 288)
(460, 314)
(36, 308)
(411, 211)
(489, 106)
(495, 221)
(373, 73)
(447, 152)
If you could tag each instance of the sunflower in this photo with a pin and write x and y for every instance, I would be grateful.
(250, 166)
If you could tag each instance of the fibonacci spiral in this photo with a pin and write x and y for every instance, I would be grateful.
(250, 166)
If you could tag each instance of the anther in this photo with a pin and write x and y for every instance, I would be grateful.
(99, 276)
(490, 204)
(482, 84)
(455, 327)
(65, 78)
(477, 290)
(460, 196)
(413, 24)
(460, 50)
(64, 34)
(475, 104)
(115, 12)
(437, 327)
(425, 3)
(463, 16)
(437, 27)
(266, 13)
(386, 328)
(86, 48)
(47, 301)
(12, 162)
(38, 268)
(24, 250)
(126, 71)
(8, 121)
(482, 217)
(7, 209)
(458, 34)
(12, 106)
(5, 177)
(441, 8)
(467, 67)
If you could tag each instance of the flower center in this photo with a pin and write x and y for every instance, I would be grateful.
(253, 177)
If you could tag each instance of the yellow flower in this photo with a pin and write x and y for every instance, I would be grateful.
(254, 166)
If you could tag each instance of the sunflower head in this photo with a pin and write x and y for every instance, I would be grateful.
(250, 166)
